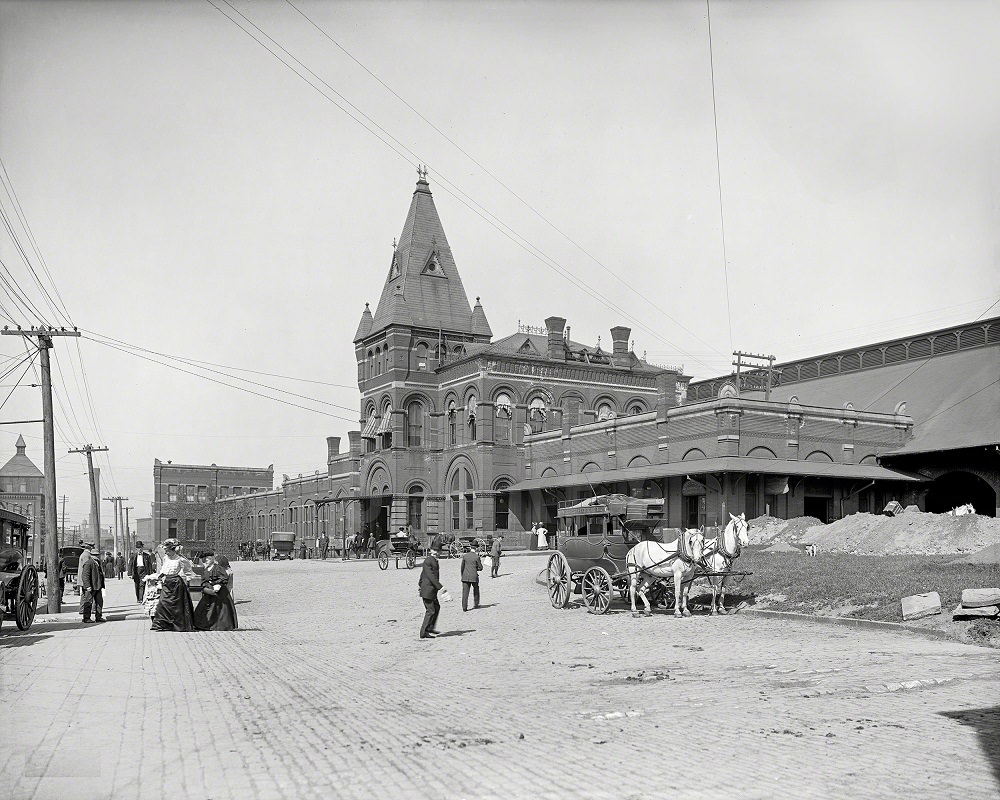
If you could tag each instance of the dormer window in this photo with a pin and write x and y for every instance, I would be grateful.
(433, 266)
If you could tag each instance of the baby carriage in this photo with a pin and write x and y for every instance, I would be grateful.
(151, 597)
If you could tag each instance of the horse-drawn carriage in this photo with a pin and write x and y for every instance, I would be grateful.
(282, 545)
(70, 557)
(397, 547)
(19, 586)
(614, 543)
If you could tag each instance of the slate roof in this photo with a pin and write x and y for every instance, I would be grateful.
(423, 287)
(20, 466)
(954, 399)
(533, 345)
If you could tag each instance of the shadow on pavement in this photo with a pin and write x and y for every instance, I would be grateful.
(986, 723)
(21, 639)
(454, 633)
(481, 606)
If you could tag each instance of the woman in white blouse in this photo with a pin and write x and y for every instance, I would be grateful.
(174, 611)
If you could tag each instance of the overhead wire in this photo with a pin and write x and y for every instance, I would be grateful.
(396, 146)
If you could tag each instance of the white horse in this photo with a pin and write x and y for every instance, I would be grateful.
(649, 562)
(961, 511)
(720, 553)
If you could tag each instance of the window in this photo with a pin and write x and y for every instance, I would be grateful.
(202, 494)
(371, 364)
(462, 500)
(504, 415)
(415, 423)
(202, 530)
(604, 412)
(237, 490)
(172, 493)
(536, 414)
(502, 513)
(421, 356)
(470, 407)
(415, 508)
(378, 360)
(189, 493)
(189, 529)
(172, 528)
(452, 423)
(635, 409)
(223, 491)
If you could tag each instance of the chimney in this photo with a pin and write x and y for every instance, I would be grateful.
(332, 448)
(557, 346)
(666, 390)
(354, 437)
(619, 348)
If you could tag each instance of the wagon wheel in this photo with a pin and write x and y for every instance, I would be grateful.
(454, 551)
(597, 589)
(411, 559)
(27, 598)
(559, 580)
(383, 560)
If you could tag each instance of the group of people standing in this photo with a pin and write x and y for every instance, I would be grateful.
(430, 588)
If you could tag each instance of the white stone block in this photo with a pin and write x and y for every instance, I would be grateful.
(978, 598)
(921, 605)
(979, 611)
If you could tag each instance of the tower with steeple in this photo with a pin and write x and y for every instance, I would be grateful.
(22, 487)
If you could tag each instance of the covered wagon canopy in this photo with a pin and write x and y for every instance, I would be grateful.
(714, 466)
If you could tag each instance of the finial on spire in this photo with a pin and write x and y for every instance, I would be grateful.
(394, 244)
(633, 345)
(422, 172)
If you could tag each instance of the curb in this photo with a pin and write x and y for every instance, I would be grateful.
(850, 622)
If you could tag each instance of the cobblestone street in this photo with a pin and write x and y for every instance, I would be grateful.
(327, 691)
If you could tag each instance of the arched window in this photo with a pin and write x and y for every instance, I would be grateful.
(471, 407)
(378, 360)
(452, 423)
(421, 356)
(415, 508)
(504, 415)
(605, 412)
(536, 414)
(461, 496)
(635, 408)
(371, 364)
(415, 423)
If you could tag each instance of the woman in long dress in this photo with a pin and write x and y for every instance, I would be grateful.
(216, 610)
(174, 611)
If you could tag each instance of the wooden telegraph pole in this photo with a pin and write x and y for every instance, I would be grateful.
(44, 343)
(129, 546)
(95, 507)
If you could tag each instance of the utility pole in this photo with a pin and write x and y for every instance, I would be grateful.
(62, 528)
(128, 533)
(95, 508)
(119, 520)
(754, 375)
(44, 344)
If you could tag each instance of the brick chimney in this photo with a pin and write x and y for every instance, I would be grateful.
(354, 437)
(619, 349)
(666, 391)
(557, 346)
(332, 448)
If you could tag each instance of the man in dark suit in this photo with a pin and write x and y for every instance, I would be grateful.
(139, 566)
(430, 585)
(496, 550)
(92, 589)
(472, 565)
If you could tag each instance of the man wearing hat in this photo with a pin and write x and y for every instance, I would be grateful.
(91, 587)
(139, 566)
(429, 586)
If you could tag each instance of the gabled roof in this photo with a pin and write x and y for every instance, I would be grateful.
(423, 286)
(534, 345)
(954, 399)
(20, 466)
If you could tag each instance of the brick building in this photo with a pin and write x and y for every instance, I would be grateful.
(184, 494)
(22, 490)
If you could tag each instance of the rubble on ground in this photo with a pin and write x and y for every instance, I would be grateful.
(913, 532)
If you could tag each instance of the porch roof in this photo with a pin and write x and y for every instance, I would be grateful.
(703, 466)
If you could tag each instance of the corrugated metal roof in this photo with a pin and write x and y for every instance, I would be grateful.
(765, 466)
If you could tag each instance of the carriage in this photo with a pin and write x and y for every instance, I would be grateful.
(398, 548)
(70, 557)
(595, 537)
(282, 545)
(19, 586)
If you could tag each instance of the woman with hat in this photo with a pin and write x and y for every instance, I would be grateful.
(216, 610)
(174, 611)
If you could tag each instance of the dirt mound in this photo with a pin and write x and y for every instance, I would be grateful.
(783, 547)
(766, 529)
(912, 532)
(988, 555)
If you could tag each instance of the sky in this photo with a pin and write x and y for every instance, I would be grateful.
(798, 178)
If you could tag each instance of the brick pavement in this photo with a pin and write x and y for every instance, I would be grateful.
(327, 692)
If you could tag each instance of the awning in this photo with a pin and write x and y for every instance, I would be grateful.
(386, 425)
(703, 466)
(369, 431)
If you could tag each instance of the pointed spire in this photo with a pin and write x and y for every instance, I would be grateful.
(365, 325)
(20, 445)
(480, 325)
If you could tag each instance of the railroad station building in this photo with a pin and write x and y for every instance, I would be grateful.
(462, 433)
(22, 489)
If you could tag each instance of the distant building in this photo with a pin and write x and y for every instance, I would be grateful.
(183, 497)
(144, 531)
(22, 488)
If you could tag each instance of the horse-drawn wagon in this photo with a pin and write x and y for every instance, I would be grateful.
(617, 544)
(397, 547)
(19, 586)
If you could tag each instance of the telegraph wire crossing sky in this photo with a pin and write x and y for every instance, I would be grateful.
(181, 182)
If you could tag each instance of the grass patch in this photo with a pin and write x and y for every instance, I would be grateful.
(870, 585)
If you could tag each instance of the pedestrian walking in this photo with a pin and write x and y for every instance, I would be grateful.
(324, 545)
(174, 611)
(139, 566)
(62, 577)
(120, 565)
(216, 610)
(91, 579)
(429, 586)
(109, 565)
(496, 550)
(472, 565)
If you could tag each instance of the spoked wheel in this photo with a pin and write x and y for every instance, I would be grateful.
(560, 581)
(411, 559)
(383, 560)
(597, 588)
(27, 598)
(454, 551)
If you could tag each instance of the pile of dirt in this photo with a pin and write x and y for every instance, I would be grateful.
(988, 555)
(913, 532)
(765, 529)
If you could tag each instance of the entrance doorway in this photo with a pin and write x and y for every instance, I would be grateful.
(957, 489)
(818, 507)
